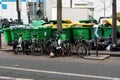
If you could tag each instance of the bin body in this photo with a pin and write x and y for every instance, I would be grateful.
(27, 34)
(45, 33)
(7, 35)
(107, 32)
(34, 31)
(15, 33)
(42, 32)
(65, 33)
(80, 32)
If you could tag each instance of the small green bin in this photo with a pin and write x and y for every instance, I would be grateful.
(7, 35)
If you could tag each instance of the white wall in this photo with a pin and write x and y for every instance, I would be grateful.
(11, 12)
(98, 6)
(74, 14)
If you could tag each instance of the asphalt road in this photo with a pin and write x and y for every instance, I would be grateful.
(23, 67)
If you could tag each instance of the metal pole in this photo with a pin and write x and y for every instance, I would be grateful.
(59, 15)
(70, 3)
(114, 33)
(0, 41)
(96, 39)
(18, 11)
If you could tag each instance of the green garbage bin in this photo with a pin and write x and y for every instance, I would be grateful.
(34, 30)
(44, 32)
(15, 32)
(118, 28)
(65, 33)
(79, 31)
(107, 31)
(7, 35)
(27, 33)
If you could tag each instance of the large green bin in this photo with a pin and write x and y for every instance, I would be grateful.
(65, 33)
(107, 31)
(118, 28)
(45, 32)
(15, 33)
(7, 35)
(79, 31)
(100, 32)
(42, 32)
(34, 31)
(27, 33)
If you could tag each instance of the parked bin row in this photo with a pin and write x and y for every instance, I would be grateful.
(71, 33)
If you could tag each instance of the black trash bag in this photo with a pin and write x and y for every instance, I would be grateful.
(101, 39)
(106, 43)
(111, 47)
(118, 43)
(100, 46)
(118, 34)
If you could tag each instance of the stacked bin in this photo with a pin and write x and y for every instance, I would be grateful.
(7, 35)
(80, 31)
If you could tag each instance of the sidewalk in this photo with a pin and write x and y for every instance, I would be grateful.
(8, 48)
(5, 46)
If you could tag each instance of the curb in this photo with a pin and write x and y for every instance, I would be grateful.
(111, 53)
(7, 50)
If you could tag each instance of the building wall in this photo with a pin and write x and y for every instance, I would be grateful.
(8, 8)
(75, 13)
(98, 6)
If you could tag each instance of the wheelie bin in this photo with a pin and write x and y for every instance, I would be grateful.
(65, 35)
(7, 35)
(80, 32)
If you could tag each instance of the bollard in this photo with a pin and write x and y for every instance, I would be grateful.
(96, 46)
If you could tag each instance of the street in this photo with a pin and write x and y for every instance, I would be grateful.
(24, 67)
